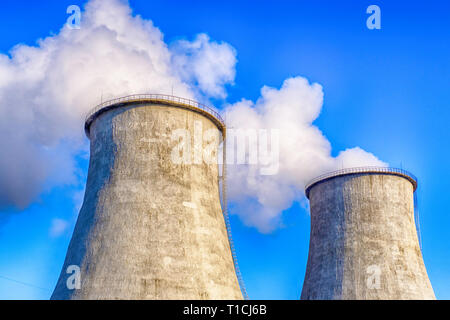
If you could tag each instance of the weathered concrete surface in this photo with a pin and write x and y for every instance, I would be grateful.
(149, 228)
(361, 223)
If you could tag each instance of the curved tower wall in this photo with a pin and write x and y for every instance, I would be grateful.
(363, 242)
(149, 228)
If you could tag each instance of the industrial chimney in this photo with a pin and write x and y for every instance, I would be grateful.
(151, 227)
(363, 242)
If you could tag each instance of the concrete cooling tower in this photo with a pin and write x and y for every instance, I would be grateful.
(363, 242)
(151, 227)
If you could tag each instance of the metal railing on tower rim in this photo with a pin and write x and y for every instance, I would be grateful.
(154, 98)
(387, 170)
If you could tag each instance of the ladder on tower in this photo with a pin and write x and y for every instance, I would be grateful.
(227, 218)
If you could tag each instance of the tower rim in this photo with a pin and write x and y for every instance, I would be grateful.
(358, 170)
(165, 99)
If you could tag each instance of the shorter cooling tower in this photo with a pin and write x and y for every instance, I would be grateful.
(363, 242)
(151, 226)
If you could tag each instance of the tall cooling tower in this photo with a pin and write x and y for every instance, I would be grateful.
(150, 227)
(363, 242)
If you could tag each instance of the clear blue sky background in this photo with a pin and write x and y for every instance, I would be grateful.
(386, 91)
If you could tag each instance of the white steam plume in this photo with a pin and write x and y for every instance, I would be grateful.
(304, 152)
(209, 66)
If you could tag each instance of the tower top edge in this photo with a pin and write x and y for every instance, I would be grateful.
(362, 170)
(170, 100)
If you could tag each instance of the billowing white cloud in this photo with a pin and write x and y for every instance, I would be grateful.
(46, 90)
(207, 65)
(304, 152)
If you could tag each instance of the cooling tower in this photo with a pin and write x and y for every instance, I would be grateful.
(363, 242)
(151, 227)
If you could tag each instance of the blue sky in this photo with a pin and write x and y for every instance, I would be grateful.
(386, 91)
